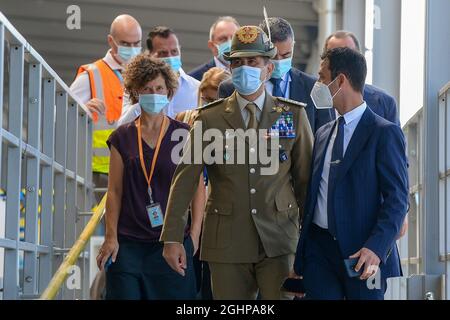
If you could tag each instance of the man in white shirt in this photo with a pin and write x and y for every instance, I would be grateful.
(163, 43)
(99, 85)
(125, 33)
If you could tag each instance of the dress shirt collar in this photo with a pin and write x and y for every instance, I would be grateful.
(242, 102)
(220, 64)
(287, 77)
(355, 114)
(183, 75)
(111, 62)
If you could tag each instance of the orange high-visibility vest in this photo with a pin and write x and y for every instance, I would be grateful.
(108, 87)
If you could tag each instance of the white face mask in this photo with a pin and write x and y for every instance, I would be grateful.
(321, 95)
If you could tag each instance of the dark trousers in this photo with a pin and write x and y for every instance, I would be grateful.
(206, 291)
(141, 273)
(203, 277)
(324, 274)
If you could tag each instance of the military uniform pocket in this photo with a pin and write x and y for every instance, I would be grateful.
(287, 215)
(217, 225)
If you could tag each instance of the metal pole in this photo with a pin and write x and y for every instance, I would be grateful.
(386, 46)
(14, 154)
(437, 71)
(74, 253)
(354, 19)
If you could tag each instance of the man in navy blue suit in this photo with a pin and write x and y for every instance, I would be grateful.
(220, 35)
(358, 190)
(286, 81)
(378, 100)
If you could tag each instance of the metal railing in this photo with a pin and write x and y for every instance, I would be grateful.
(444, 185)
(46, 137)
(416, 284)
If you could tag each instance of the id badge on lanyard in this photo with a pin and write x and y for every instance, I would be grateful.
(154, 210)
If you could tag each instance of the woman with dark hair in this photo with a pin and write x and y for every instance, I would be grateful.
(141, 170)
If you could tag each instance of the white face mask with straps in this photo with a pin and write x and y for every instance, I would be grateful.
(321, 95)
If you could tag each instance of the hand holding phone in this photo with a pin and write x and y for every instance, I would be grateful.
(294, 285)
(350, 265)
(108, 263)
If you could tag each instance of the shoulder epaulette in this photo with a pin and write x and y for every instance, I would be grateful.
(298, 103)
(211, 104)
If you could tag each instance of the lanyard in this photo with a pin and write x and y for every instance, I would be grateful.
(148, 177)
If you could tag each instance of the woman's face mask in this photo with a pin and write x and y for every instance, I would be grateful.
(153, 103)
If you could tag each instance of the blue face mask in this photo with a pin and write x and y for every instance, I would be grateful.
(223, 47)
(281, 67)
(173, 62)
(128, 53)
(153, 103)
(246, 80)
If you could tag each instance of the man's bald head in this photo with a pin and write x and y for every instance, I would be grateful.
(125, 25)
(125, 31)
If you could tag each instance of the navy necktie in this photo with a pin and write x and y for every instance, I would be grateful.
(277, 87)
(337, 156)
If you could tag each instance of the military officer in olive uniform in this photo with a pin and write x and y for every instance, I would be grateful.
(251, 225)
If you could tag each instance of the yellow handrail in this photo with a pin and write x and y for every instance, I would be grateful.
(61, 275)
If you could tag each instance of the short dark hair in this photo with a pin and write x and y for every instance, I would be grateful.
(349, 62)
(159, 31)
(342, 34)
(280, 29)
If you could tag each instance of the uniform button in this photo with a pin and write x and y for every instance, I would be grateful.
(290, 205)
(226, 146)
(254, 211)
(252, 170)
(252, 191)
(215, 210)
(252, 150)
(280, 146)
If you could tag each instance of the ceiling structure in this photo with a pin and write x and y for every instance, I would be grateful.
(43, 24)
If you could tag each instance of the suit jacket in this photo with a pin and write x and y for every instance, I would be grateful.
(299, 90)
(381, 103)
(371, 193)
(198, 72)
(244, 206)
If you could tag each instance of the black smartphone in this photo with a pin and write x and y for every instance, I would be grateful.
(350, 265)
(293, 285)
